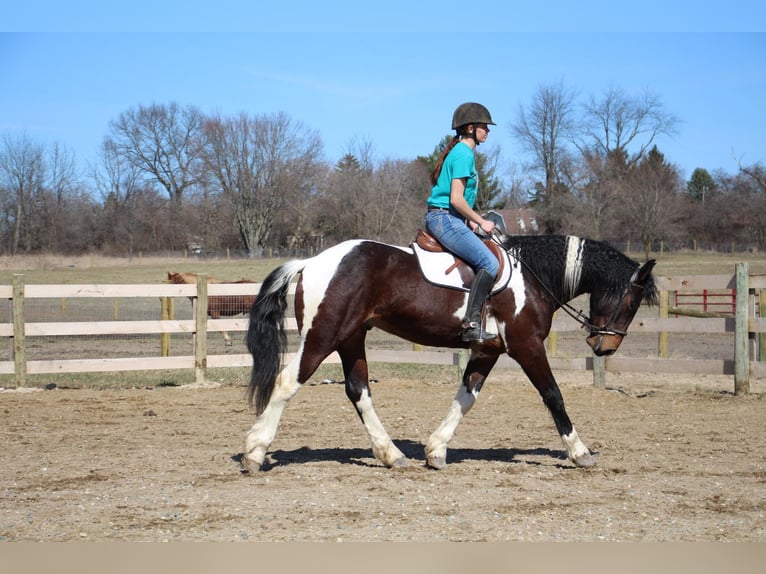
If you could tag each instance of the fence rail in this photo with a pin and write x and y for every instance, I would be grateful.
(747, 357)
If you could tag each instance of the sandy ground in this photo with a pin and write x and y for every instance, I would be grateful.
(681, 459)
(160, 464)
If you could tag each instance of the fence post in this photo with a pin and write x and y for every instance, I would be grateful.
(741, 333)
(200, 331)
(662, 340)
(762, 336)
(599, 372)
(462, 360)
(167, 314)
(19, 332)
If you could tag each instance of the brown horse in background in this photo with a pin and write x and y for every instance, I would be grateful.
(218, 305)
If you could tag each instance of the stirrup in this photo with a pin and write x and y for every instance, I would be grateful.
(473, 333)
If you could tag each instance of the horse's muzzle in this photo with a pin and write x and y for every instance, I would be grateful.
(604, 344)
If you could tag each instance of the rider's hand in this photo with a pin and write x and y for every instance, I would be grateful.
(487, 226)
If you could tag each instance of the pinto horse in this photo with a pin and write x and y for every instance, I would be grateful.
(218, 305)
(346, 290)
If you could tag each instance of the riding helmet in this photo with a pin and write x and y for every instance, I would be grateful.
(471, 113)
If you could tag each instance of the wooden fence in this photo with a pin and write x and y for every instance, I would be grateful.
(747, 357)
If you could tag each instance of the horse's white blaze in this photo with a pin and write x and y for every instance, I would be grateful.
(573, 266)
(382, 446)
(461, 404)
(575, 447)
(317, 275)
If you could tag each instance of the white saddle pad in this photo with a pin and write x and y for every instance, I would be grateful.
(435, 265)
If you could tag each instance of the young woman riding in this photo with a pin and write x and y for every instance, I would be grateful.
(451, 218)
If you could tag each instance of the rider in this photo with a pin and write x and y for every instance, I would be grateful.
(450, 207)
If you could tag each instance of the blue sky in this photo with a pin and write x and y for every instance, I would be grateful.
(358, 72)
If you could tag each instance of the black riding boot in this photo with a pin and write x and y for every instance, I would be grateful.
(472, 324)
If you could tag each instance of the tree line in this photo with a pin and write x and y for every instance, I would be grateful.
(170, 178)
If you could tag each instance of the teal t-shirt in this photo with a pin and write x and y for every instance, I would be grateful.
(459, 163)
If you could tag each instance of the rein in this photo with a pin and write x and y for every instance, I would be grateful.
(579, 316)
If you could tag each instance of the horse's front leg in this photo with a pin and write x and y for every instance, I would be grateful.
(473, 378)
(354, 362)
(535, 365)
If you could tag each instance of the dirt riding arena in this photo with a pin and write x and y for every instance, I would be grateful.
(681, 459)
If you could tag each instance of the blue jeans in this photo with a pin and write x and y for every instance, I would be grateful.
(455, 235)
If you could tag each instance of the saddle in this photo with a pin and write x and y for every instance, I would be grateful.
(442, 267)
(428, 242)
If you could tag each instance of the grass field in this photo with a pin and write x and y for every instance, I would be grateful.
(98, 269)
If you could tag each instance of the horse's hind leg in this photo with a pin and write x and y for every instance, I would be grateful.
(473, 378)
(262, 433)
(354, 361)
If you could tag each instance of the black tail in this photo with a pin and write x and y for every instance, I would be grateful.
(266, 339)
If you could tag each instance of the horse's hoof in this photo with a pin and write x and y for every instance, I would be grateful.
(250, 466)
(586, 460)
(401, 463)
(437, 462)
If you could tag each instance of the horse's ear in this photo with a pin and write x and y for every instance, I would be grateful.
(646, 270)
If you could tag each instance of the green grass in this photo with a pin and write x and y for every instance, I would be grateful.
(704, 263)
(98, 269)
(57, 269)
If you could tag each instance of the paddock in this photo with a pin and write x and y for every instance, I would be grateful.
(681, 459)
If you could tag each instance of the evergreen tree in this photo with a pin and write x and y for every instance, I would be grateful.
(700, 184)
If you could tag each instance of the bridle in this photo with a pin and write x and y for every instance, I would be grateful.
(584, 321)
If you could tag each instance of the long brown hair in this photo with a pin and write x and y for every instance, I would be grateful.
(438, 168)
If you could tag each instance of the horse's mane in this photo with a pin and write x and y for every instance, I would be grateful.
(605, 270)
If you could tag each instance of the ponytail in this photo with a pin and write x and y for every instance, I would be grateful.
(438, 169)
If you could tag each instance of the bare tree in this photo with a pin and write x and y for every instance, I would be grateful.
(165, 142)
(348, 193)
(651, 200)
(516, 195)
(402, 189)
(60, 183)
(545, 128)
(597, 197)
(118, 182)
(625, 126)
(22, 175)
(259, 163)
(757, 172)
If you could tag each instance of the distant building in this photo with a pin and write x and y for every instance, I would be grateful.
(520, 221)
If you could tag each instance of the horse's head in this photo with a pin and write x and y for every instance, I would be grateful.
(612, 313)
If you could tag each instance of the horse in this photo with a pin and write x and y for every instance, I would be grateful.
(356, 285)
(218, 305)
